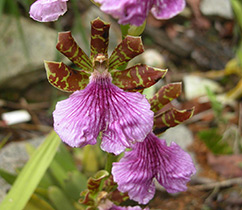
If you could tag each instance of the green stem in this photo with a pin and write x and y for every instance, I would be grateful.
(124, 30)
(108, 167)
(110, 159)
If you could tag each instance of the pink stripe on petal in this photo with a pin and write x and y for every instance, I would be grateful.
(124, 118)
(152, 159)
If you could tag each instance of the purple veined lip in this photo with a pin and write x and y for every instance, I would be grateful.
(123, 117)
(149, 160)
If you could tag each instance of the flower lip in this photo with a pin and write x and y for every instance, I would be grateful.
(152, 158)
(124, 118)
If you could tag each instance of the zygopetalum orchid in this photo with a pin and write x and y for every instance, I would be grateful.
(152, 158)
(98, 104)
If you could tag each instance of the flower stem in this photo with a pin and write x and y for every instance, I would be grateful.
(110, 159)
(108, 167)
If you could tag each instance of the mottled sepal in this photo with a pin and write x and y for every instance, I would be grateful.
(68, 47)
(166, 94)
(137, 77)
(86, 199)
(93, 183)
(170, 118)
(129, 48)
(64, 77)
(99, 37)
(118, 197)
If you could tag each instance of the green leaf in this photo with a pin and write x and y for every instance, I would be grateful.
(2, 3)
(124, 30)
(213, 141)
(90, 161)
(30, 149)
(75, 183)
(64, 157)
(59, 199)
(31, 174)
(216, 105)
(4, 140)
(58, 173)
(8, 177)
(237, 8)
(136, 30)
(42, 192)
(47, 180)
(37, 203)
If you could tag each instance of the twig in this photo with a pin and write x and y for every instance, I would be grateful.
(5, 139)
(32, 106)
(25, 105)
(210, 186)
(25, 126)
(240, 119)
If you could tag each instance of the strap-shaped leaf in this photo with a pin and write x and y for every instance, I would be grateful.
(170, 118)
(137, 77)
(99, 37)
(31, 174)
(64, 77)
(130, 47)
(166, 94)
(68, 47)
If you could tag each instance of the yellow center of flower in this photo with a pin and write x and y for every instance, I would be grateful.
(100, 63)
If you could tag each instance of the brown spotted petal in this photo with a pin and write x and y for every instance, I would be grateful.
(137, 77)
(130, 47)
(64, 77)
(170, 118)
(86, 199)
(68, 47)
(99, 37)
(166, 94)
(93, 183)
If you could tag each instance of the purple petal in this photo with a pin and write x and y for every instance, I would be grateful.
(114, 207)
(135, 11)
(123, 117)
(170, 165)
(127, 11)
(108, 205)
(47, 10)
(165, 9)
